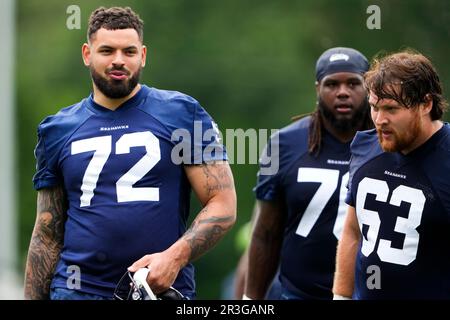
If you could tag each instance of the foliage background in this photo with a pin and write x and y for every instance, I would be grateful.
(250, 63)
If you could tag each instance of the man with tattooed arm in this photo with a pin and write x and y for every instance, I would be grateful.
(112, 193)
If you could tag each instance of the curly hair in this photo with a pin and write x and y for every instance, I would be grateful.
(409, 78)
(115, 18)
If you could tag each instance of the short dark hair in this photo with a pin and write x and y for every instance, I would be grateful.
(115, 18)
(414, 74)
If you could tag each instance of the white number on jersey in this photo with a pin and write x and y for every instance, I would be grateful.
(328, 179)
(124, 186)
(407, 226)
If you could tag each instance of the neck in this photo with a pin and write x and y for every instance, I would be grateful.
(428, 130)
(112, 104)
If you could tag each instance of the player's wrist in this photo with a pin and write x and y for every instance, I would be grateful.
(180, 253)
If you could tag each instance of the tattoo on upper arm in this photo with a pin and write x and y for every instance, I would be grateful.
(51, 210)
(218, 177)
(205, 232)
(46, 242)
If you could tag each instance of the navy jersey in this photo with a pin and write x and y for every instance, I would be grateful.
(312, 189)
(403, 209)
(128, 195)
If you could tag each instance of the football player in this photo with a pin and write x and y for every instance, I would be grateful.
(396, 234)
(300, 207)
(114, 177)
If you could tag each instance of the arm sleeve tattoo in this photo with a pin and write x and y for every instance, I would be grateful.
(216, 218)
(46, 242)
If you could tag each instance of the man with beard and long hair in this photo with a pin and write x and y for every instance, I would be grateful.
(395, 239)
(299, 211)
(112, 194)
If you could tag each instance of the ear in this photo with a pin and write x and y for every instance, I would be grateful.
(144, 55)
(86, 54)
(317, 88)
(427, 105)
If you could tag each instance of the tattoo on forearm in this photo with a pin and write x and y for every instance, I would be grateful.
(218, 177)
(204, 233)
(46, 242)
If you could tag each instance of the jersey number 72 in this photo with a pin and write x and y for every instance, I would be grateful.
(124, 186)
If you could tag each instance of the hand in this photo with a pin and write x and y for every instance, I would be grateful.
(163, 270)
